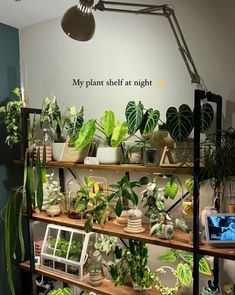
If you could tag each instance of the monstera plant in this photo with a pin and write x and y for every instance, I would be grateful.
(139, 118)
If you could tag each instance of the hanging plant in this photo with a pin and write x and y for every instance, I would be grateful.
(179, 122)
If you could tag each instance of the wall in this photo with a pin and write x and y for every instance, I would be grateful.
(9, 79)
(133, 47)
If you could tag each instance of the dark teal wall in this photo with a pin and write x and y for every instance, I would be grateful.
(9, 175)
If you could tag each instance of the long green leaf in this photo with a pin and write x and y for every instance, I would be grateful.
(108, 122)
(40, 183)
(168, 256)
(119, 132)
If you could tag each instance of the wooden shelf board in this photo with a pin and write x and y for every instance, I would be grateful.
(226, 253)
(180, 240)
(121, 167)
(106, 288)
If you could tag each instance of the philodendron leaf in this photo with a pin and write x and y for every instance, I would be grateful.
(181, 224)
(204, 267)
(184, 274)
(85, 135)
(168, 256)
(171, 189)
(119, 133)
(149, 122)
(134, 116)
(207, 116)
(185, 256)
(189, 183)
(169, 232)
(179, 123)
(108, 122)
(155, 229)
(119, 208)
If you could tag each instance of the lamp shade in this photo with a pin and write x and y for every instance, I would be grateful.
(78, 22)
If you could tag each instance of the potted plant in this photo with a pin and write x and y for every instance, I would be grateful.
(62, 247)
(174, 287)
(162, 223)
(143, 120)
(54, 195)
(124, 192)
(94, 203)
(80, 135)
(184, 262)
(180, 125)
(112, 133)
(219, 166)
(104, 248)
(95, 276)
(132, 262)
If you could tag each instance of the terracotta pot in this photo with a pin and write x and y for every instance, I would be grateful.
(53, 210)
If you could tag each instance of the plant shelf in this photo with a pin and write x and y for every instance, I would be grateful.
(106, 288)
(120, 167)
(180, 240)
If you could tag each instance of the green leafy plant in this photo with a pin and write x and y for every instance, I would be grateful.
(113, 131)
(41, 171)
(97, 205)
(62, 247)
(185, 265)
(51, 115)
(13, 230)
(138, 118)
(75, 122)
(125, 193)
(11, 114)
(55, 196)
(64, 291)
(154, 199)
(133, 262)
(104, 248)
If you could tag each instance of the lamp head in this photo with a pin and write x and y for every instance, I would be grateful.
(78, 22)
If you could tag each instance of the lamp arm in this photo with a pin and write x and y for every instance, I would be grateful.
(160, 10)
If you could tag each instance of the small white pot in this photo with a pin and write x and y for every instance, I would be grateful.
(57, 148)
(109, 155)
(53, 210)
(162, 233)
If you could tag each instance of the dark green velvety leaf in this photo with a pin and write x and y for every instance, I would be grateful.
(119, 208)
(134, 116)
(149, 122)
(179, 123)
(207, 116)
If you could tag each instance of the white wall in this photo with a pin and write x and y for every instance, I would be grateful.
(134, 47)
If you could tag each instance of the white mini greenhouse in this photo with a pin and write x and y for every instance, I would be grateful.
(66, 250)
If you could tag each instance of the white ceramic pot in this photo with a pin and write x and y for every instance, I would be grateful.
(57, 148)
(53, 210)
(109, 155)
